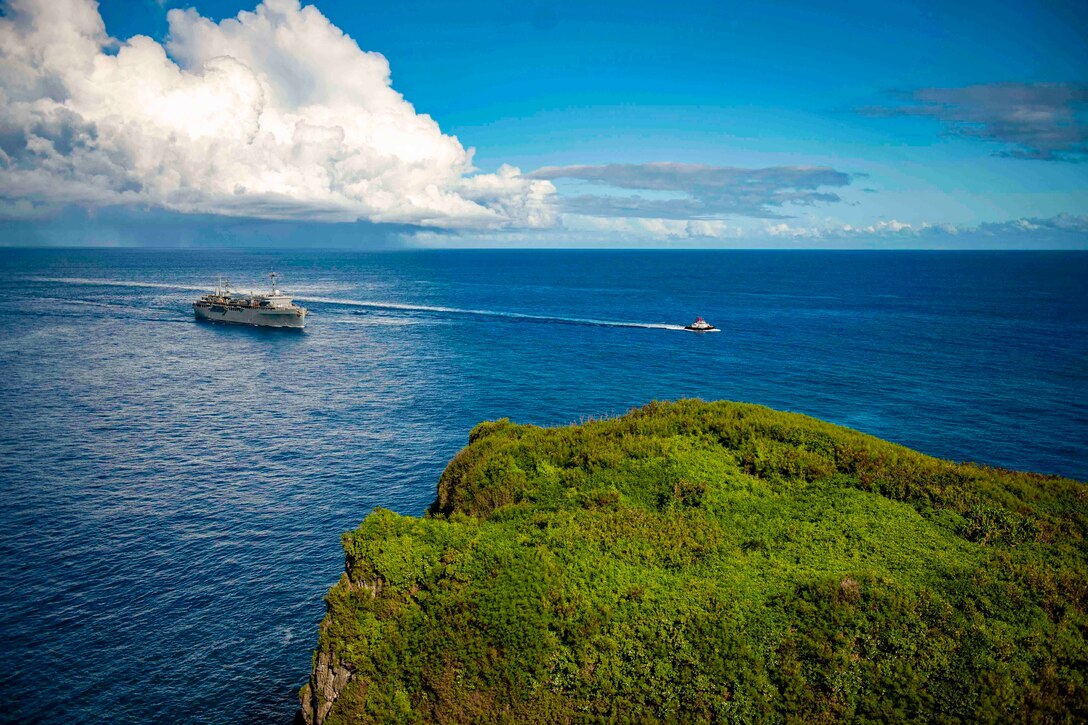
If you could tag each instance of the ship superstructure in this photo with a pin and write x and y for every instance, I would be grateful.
(263, 310)
(701, 325)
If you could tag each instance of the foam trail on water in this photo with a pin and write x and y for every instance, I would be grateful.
(117, 283)
(387, 305)
(488, 313)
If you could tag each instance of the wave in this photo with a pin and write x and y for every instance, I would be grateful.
(382, 305)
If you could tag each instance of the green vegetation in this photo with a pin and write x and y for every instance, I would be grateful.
(700, 561)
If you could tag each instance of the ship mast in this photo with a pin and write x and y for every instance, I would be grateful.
(272, 276)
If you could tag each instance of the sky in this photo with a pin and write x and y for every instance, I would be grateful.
(542, 124)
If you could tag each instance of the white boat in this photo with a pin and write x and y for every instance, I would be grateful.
(262, 310)
(701, 325)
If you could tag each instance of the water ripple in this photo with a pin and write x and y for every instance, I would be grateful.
(173, 493)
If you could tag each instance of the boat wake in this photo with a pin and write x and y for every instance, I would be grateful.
(379, 305)
(489, 313)
(93, 282)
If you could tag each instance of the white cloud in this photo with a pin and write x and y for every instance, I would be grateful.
(831, 229)
(654, 227)
(272, 114)
(1024, 230)
(885, 227)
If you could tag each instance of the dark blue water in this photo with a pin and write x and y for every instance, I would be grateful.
(173, 492)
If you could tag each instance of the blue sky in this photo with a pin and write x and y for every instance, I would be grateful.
(628, 124)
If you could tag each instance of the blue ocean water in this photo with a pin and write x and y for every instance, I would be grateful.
(173, 492)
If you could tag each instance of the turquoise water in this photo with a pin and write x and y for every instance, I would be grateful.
(173, 491)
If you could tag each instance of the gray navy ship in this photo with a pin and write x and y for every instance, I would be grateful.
(262, 310)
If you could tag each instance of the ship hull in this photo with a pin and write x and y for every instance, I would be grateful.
(248, 316)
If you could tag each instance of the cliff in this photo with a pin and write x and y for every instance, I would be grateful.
(706, 561)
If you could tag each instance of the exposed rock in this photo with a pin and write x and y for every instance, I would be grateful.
(327, 681)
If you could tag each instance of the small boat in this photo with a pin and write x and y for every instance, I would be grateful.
(701, 325)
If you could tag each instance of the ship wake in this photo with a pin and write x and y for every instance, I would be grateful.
(503, 314)
(383, 305)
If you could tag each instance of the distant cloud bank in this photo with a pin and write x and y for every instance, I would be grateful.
(274, 114)
(1071, 227)
(698, 192)
(1064, 231)
(1046, 121)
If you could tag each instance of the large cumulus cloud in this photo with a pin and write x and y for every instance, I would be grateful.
(273, 114)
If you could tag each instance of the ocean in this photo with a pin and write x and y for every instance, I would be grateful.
(173, 492)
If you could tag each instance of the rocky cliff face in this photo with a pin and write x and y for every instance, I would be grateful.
(331, 676)
(327, 681)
